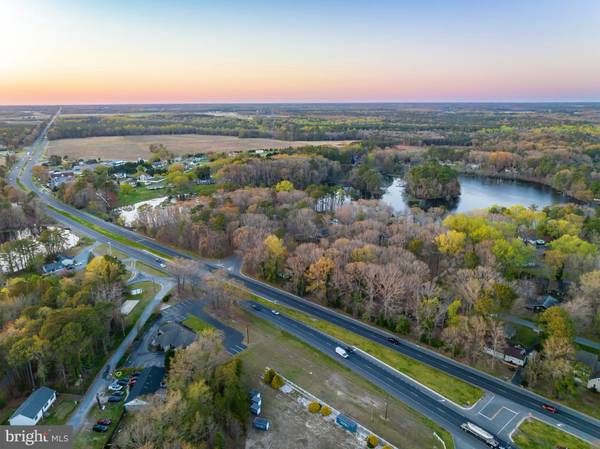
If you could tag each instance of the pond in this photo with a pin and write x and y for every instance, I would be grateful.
(479, 193)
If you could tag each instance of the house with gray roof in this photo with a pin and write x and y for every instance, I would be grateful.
(149, 382)
(31, 411)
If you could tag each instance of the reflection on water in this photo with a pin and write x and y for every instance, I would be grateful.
(479, 193)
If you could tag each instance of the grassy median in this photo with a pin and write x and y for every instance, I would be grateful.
(335, 384)
(109, 234)
(535, 434)
(448, 386)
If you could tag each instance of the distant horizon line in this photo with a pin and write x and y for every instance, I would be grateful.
(230, 103)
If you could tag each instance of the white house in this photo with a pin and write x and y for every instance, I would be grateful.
(594, 382)
(32, 410)
(509, 354)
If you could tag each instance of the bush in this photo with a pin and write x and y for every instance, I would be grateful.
(372, 441)
(403, 326)
(325, 411)
(314, 407)
(269, 375)
(277, 382)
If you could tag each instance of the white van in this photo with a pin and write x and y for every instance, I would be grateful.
(342, 352)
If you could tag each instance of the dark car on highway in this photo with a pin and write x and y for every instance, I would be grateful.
(393, 340)
(100, 428)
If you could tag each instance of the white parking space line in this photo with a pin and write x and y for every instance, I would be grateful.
(508, 422)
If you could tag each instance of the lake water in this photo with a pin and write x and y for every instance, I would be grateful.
(480, 193)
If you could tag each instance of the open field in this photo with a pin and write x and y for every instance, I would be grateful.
(333, 384)
(534, 434)
(135, 147)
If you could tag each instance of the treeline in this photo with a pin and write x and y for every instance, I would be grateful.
(15, 136)
(442, 281)
(206, 405)
(53, 329)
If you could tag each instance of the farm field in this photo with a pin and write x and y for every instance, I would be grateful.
(135, 147)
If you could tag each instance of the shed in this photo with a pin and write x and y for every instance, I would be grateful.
(31, 411)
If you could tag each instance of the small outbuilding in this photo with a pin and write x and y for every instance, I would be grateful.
(31, 411)
(594, 382)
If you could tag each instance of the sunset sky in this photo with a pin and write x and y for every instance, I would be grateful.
(171, 51)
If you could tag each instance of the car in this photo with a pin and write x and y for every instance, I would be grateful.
(123, 382)
(261, 423)
(549, 408)
(275, 312)
(118, 393)
(132, 382)
(350, 349)
(106, 372)
(115, 386)
(100, 428)
(136, 374)
(104, 421)
(393, 340)
(256, 306)
(114, 399)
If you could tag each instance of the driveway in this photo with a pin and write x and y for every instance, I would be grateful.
(232, 339)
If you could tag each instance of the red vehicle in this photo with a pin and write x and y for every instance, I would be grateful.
(132, 382)
(549, 408)
(104, 422)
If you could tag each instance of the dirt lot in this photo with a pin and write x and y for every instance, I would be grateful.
(135, 147)
(331, 383)
(293, 427)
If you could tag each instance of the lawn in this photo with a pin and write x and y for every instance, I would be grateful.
(143, 194)
(149, 270)
(87, 439)
(149, 289)
(450, 387)
(195, 323)
(335, 384)
(534, 434)
(103, 249)
(60, 412)
(525, 336)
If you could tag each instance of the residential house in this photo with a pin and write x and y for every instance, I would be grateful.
(60, 177)
(32, 410)
(543, 303)
(509, 354)
(594, 382)
(61, 264)
(173, 335)
(149, 382)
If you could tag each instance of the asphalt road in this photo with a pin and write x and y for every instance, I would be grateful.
(411, 393)
(516, 394)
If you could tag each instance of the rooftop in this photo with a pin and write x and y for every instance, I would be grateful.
(35, 402)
